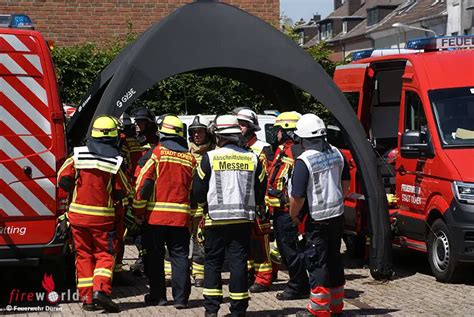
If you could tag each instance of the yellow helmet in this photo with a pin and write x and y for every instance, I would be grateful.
(172, 125)
(104, 127)
(287, 120)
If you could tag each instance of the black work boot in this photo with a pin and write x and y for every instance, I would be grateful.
(258, 288)
(89, 307)
(103, 300)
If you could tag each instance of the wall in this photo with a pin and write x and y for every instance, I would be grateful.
(69, 22)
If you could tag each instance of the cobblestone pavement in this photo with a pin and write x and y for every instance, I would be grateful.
(412, 292)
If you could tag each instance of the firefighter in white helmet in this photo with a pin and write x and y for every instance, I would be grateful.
(260, 265)
(319, 183)
(200, 142)
(232, 181)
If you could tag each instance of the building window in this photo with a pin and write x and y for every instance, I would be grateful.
(326, 31)
(344, 27)
(372, 17)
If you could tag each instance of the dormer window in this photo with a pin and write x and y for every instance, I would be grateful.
(372, 16)
(326, 31)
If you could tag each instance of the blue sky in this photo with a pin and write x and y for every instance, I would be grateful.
(297, 9)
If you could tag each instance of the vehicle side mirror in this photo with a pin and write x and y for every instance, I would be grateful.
(415, 144)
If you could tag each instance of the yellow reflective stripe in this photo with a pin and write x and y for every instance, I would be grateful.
(209, 222)
(92, 210)
(84, 282)
(124, 180)
(212, 292)
(271, 201)
(144, 169)
(139, 203)
(263, 267)
(68, 162)
(238, 296)
(262, 174)
(177, 160)
(287, 160)
(173, 207)
(200, 172)
(103, 272)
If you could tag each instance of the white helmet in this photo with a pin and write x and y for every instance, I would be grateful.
(310, 126)
(199, 121)
(249, 116)
(227, 124)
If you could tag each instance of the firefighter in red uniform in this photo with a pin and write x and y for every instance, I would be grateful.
(259, 244)
(94, 178)
(162, 203)
(277, 201)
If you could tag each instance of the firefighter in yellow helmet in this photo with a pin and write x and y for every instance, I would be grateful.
(94, 177)
(162, 204)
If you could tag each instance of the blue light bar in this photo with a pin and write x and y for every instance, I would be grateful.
(442, 43)
(21, 21)
(361, 54)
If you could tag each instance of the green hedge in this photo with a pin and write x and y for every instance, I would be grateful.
(78, 66)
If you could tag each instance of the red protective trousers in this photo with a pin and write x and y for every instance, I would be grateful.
(259, 259)
(95, 249)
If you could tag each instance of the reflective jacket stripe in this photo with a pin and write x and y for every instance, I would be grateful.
(176, 160)
(163, 206)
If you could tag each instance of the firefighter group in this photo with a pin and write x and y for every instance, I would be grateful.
(221, 200)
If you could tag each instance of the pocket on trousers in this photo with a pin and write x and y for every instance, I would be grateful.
(311, 257)
(112, 241)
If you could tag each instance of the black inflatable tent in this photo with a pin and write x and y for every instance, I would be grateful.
(214, 37)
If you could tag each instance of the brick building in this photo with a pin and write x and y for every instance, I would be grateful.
(69, 22)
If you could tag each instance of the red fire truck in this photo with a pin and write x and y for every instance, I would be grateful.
(32, 148)
(417, 108)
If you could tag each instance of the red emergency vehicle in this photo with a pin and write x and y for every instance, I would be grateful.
(417, 109)
(32, 148)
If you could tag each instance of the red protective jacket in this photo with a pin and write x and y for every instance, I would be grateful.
(167, 202)
(94, 194)
(279, 173)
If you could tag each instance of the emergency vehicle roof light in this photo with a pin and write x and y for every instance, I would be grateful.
(442, 43)
(361, 54)
(19, 21)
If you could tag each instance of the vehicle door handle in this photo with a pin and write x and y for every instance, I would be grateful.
(402, 170)
(28, 171)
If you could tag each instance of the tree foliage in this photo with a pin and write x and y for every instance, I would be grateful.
(191, 93)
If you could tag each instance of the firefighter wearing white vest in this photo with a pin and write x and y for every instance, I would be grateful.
(232, 182)
(260, 264)
(319, 184)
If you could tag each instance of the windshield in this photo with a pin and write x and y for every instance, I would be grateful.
(454, 111)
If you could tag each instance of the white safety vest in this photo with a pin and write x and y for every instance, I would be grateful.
(84, 159)
(324, 191)
(231, 194)
(258, 147)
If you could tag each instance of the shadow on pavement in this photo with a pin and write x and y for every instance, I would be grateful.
(279, 312)
(369, 312)
(352, 293)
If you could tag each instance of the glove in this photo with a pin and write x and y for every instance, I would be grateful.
(130, 222)
(62, 228)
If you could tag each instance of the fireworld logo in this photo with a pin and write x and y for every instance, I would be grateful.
(51, 296)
